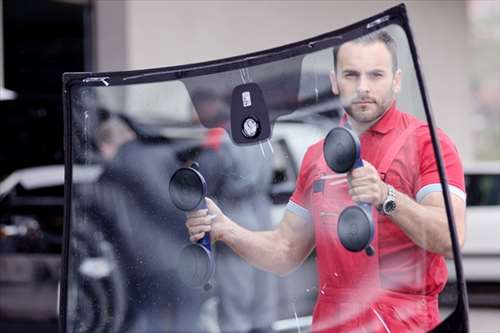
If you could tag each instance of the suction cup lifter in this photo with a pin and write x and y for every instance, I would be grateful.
(188, 190)
(355, 226)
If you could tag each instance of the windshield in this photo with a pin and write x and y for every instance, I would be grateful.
(324, 195)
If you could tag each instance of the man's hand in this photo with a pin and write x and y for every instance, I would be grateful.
(202, 221)
(366, 186)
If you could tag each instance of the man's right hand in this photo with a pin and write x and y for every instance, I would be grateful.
(202, 221)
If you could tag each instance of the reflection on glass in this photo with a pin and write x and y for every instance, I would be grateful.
(274, 206)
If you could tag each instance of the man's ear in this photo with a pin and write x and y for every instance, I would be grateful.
(333, 82)
(398, 78)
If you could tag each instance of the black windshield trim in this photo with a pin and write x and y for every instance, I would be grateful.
(395, 15)
(458, 321)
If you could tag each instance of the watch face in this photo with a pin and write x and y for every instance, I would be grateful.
(389, 206)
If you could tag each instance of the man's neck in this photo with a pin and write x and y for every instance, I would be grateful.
(360, 128)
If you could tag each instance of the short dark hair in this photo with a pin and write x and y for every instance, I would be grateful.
(378, 36)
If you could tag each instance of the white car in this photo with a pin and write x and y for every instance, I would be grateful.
(31, 222)
(481, 252)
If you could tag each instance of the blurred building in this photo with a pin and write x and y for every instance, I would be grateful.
(458, 43)
(145, 34)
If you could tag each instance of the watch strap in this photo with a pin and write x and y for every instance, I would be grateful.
(391, 196)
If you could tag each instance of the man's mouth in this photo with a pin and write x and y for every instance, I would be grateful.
(365, 101)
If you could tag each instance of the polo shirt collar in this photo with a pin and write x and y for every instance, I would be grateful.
(388, 120)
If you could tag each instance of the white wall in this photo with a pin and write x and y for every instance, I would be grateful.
(164, 33)
(110, 32)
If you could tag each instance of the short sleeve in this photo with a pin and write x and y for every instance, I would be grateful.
(300, 194)
(429, 180)
(300, 199)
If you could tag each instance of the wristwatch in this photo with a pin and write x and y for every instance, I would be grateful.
(389, 205)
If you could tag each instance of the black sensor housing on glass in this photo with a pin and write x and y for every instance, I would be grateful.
(249, 115)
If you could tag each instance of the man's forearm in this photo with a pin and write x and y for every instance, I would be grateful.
(273, 251)
(278, 251)
(425, 224)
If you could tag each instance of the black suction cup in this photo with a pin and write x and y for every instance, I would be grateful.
(341, 149)
(187, 189)
(355, 229)
(342, 152)
(195, 266)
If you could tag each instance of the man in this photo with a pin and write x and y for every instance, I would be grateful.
(131, 205)
(395, 290)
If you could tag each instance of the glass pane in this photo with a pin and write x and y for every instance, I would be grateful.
(294, 247)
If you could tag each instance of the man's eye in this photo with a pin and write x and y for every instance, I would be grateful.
(377, 75)
(350, 75)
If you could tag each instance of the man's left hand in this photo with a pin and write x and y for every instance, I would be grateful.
(366, 186)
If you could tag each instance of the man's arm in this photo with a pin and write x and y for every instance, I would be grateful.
(425, 223)
(279, 251)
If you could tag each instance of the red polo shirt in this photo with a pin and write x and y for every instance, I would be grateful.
(403, 266)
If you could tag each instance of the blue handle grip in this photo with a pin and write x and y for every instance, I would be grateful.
(205, 241)
(358, 163)
(367, 207)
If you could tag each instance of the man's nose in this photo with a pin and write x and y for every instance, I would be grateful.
(363, 86)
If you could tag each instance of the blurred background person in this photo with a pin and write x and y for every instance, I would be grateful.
(132, 205)
(239, 178)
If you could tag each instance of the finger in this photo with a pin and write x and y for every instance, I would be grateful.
(355, 173)
(359, 189)
(197, 213)
(212, 207)
(196, 237)
(364, 181)
(199, 229)
(363, 198)
(367, 164)
(195, 221)
(369, 189)
(355, 182)
(365, 171)
(209, 201)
